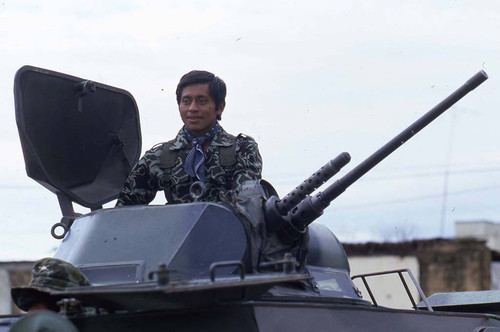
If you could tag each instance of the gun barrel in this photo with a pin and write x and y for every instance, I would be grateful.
(330, 193)
(312, 183)
(312, 207)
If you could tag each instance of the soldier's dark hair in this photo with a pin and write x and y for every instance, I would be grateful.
(216, 86)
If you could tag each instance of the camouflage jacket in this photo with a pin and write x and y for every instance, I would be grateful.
(148, 176)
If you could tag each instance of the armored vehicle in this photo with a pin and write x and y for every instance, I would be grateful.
(254, 262)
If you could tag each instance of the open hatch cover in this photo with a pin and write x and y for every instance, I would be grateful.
(79, 138)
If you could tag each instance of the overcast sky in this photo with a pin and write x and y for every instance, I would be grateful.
(307, 79)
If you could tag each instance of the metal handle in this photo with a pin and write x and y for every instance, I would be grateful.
(216, 265)
(53, 230)
(65, 223)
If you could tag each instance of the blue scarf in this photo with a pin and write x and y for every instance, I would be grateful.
(195, 161)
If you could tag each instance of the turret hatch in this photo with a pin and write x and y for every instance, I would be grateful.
(79, 138)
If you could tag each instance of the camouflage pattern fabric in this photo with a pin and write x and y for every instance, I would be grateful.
(53, 273)
(147, 177)
(48, 274)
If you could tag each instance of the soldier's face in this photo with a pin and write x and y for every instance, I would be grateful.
(197, 109)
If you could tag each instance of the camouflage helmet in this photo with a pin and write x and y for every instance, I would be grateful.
(48, 274)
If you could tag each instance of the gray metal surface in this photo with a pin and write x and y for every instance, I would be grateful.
(457, 298)
(287, 316)
(184, 294)
(325, 249)
(80, 138)
(301, 316)
(6, 321)
(478, 301)
(125, 244)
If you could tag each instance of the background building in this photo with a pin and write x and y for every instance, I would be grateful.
(439, 265)
(12, 274)
(490, 233)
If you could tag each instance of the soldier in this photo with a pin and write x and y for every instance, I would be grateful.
(201, 151)
(48, 274)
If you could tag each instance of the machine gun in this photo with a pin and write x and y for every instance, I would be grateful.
(291, 215)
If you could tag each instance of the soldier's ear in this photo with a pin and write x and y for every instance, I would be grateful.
(221, 108)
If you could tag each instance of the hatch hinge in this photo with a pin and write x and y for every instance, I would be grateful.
(82, 89)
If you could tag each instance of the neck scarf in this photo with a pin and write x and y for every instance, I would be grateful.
(195, 161)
